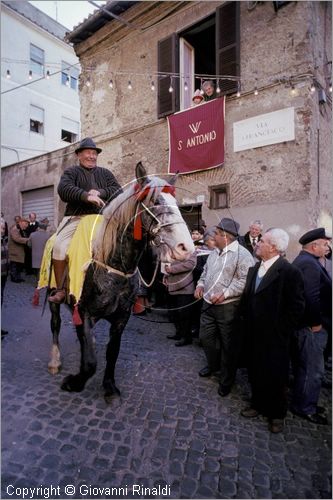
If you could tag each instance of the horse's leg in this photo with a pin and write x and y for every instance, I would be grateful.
(76, 383)
(54, 365)
(117, 327)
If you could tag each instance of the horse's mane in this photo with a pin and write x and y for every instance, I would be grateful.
(118, 214)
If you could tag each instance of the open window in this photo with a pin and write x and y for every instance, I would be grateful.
(209, 47)
(69, 130)
(36, 119)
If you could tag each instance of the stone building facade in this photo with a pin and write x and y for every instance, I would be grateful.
(282, 52)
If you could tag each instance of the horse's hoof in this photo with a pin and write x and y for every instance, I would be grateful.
(53, 370)
(72, 383)
(111, 391)
(109, 397)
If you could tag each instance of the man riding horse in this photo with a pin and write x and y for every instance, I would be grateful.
(144, 215)
(85, 188)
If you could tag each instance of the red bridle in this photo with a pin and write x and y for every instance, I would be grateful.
(140, 196)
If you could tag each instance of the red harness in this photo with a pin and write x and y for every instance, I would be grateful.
(140, 196)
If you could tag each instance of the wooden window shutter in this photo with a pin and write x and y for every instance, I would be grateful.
(228, 45)
(168, 61)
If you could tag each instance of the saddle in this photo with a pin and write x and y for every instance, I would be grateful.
(79, 256)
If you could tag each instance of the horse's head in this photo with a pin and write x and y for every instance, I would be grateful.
(159, 217)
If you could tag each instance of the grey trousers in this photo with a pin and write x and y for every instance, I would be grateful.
(221, 339)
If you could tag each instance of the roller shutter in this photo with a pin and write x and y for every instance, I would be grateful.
(40, 201)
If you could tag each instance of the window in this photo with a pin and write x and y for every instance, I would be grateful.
(69, 75)
(219, 196)
(210, 47)
(69, 130)
(191, 214)
(36, 60)
(279, 5)
(36, 119)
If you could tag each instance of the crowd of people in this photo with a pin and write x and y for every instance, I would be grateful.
(22, 247)
(252, 308)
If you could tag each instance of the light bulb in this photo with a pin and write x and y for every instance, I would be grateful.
(330, 87)
(129, 85)
(111, 84)
(170, 88)
(218, 90)
(8, 74)
(185, 87)
(313, 87)
(30, 74)
(152, 86)
(255, 91)
(47, 75)
(88, 83)
(67, 81)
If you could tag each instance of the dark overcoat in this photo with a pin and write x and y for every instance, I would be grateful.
(318, 291)
(271, 314)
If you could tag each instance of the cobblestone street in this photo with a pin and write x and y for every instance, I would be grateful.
(169, 432)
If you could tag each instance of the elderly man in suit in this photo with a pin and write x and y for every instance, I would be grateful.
(272, 305)
(310, 340)
(221, 285)
(251, 238)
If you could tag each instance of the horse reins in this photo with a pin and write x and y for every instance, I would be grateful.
(156, 241)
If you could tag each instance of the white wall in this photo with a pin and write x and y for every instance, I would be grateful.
(56, 99)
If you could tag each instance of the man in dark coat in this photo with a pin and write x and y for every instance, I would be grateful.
(251, 238)
(272, 305)
(85, 188)
(310, 340)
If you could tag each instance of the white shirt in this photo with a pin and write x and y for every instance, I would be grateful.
(265, 265)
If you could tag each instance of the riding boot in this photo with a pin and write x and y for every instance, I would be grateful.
(59, 267)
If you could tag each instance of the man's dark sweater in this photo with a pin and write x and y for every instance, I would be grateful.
(75, 183)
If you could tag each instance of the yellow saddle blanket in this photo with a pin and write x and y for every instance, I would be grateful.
(79, 256)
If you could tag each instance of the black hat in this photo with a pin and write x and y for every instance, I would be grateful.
(314, 234)
(87, 143)
(229, 226)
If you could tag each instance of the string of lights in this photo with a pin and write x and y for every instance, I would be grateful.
(291, 81)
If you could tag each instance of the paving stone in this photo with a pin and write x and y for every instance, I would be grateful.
(227, 488)
(158, 432)
(176, 468)
(192, 469)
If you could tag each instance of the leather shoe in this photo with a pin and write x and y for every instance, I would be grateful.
(58, 297)
(276, 425)
(205, 372)
(174, 337)
(182, 342)
(3, 333)
(223, 391)
(249, 412)
(315, 418)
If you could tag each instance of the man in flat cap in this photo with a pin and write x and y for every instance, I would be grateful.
(310, 340)
(221, 285)
(272, 305)
(85, 188)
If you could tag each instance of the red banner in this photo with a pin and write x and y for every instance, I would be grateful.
(196, 137)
